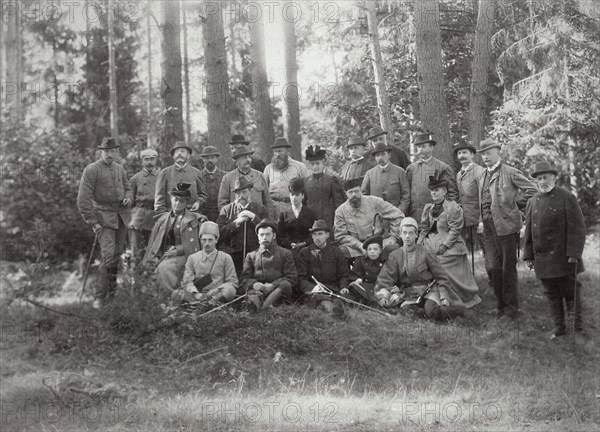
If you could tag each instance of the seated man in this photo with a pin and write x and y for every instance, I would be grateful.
(209, 274)
(173, 238)
(237, 222)
(414, 276)
(269, 272)
(327, 264)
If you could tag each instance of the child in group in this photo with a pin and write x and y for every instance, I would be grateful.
(366, 269)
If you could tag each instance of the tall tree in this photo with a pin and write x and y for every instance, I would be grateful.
(432, 101)
(260, 89)
(186, 74)
(1, 67)
(217, 79)
(482, 61)
(383, 104)
(171, 89)
(13, 81)
(291, 94)
(112, 80)
(149, 66)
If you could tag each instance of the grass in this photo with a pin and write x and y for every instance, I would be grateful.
(295, 369)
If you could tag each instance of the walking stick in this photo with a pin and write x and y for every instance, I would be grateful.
(244, 251)
(473, 231)
(87, 269)
(331, 293)
(223, 305)
(574, 307)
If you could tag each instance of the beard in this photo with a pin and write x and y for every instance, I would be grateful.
(280, 162)
(210, 166)
(355, 202)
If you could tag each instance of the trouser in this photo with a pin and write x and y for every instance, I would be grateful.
(112, 244)
(501, 265)
(170, 272)
(138, 240)
(557, 289)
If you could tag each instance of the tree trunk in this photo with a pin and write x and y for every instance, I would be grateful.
(217, 83)
(186, 75)
(260, 91)
(89, 121)
(112, 81)
(55, 82)
(13, 85)
(2, 80)
(432, 101)
(171, 92)
(383, 105)
(478, 109)
(291, 94)
(149, 66)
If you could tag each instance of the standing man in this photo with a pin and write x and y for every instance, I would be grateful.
(498, 188)
(397, 155)
(355, 220)
(386, 180)
(238, 141)
(211, 177)
(418, 174)
(260, 189)
(324, 192)
(278, 174)
(359, 165)
(180, 172)
(554, 241)
(143, 185)
(103, 202)
(468, 193)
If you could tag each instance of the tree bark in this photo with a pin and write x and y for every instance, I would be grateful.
(217, 82)
(260, 91)
(112, 81)
(432, 101)
(13, 84)
(149, 66)
(482, 56)
(171, 91)
(383, 104)
(291, 94)
(2, 80)
(186, 75)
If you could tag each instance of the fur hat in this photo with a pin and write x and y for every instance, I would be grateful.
(209, 228)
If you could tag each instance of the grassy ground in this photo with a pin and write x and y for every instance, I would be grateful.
(294, 369)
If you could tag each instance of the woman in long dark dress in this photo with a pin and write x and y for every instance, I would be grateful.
(296, 220)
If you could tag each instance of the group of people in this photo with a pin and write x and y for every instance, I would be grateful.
(383, 232)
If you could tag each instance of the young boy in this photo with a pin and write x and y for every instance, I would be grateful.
(366, 269)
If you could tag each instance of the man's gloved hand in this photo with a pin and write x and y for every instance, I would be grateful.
(344, 291)
(572, 260)
(442, 250)
(529, 264)
(195, 207)
(97, 228)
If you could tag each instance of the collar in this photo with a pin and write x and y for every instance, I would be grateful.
(147, 173)
(360, 159)
(384, 168)
(494, 167)
(180, 167)
(427, 160)
(467, 168)
(243, 207)
(211, 172)
(550, 191)
(173, 215)
(298, 209)
(243, 173)
(208, 256)
(267, 251)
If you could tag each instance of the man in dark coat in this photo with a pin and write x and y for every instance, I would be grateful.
(358, 166)
(103, 201)
(236, 143)
(237, 222)
(397, 155)
(327, 264)
(211, 176)
(554, 240)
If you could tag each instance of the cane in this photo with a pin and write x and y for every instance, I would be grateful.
(331, 293)
(87, 269)
(223, 305)
(574, 307)
(473, 231)
(244, 251)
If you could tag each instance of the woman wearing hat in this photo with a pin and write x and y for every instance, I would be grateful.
(294, 224)
(441, 227)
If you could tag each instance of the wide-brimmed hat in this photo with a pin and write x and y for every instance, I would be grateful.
(242, 183)
(349, 184)
(296, 185)
(108, 143)
(281, 142)
(264, 224)
(320, 225)
(463, 144)
(408, 221)
(380, 148)
(181, 144)
(354, 140)
(148, 153)
(209, 227)
(209, 151)
(543, 167)
(182, 190)
(376, 239)
(238, 139)
(424, 138)
(376, 131)
(314, 153)
(487, 144)
(242, 151)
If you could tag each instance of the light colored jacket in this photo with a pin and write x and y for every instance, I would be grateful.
(449, 225)
(468, 193)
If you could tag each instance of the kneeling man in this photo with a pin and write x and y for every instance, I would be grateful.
(269, 272)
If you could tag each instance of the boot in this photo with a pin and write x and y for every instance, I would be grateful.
(444, 313)
(558, 317)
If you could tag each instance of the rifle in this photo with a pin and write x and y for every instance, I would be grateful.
(326, 290)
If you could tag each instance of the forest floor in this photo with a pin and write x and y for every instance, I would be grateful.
(294, 368)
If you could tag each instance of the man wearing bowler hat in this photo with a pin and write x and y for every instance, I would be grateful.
(260, 189)
(103, 201)
(554, 240)
(386, 180)
(397, 155)
(279, 172)
(499, 186)
(143, 185)
(418, 174)
(211, 176)
(180, 172)
(358, 165)
(236, 142)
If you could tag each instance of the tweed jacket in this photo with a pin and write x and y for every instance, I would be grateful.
(468, 193)
(389, 183)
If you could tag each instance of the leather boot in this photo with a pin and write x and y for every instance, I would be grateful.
(558, 317)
